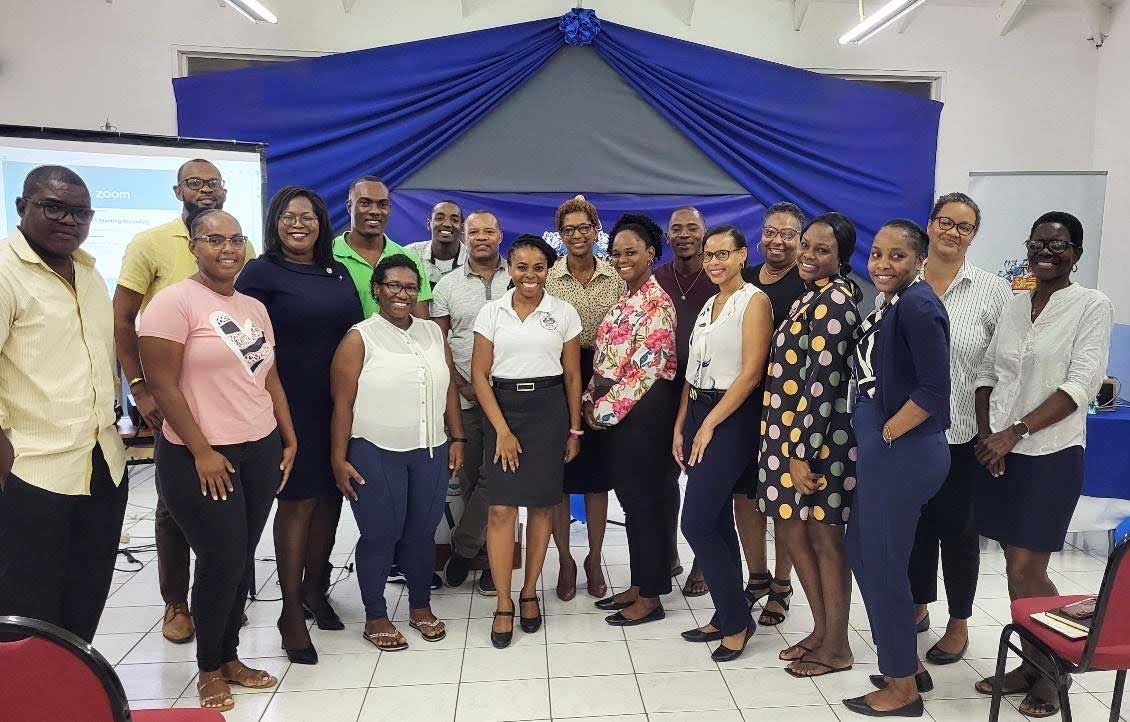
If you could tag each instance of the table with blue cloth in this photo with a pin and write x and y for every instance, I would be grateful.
(1106, 483)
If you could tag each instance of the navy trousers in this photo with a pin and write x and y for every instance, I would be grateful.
(708, 506)
(397, 510)
(893, 483)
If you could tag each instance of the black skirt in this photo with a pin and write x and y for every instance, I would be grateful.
(540, 420)
(1030, 506)
(585, 474)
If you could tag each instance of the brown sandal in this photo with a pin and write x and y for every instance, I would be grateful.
(220, 693)
(239, 673)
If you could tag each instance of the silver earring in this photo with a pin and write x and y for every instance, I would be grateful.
(1075, 267)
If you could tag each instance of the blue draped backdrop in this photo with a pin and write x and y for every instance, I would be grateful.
(780, 132)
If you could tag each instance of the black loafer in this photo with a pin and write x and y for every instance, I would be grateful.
(697, 635)
(609, 604)
(619, 620)
(923, 625)
(725, 654)
(859, 705)
(923, 681)
(940, 656)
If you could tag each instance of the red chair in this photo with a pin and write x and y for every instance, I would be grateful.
(48, 674)
(1106, 648)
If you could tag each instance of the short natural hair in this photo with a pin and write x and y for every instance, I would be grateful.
(576, 205)
(790, 209)
(957, 198)
(644, 227)
(364, 179)
(39, 177)
(1074, 225)
(396, 260)
(187, 163)
(692, 209)
(913, 233)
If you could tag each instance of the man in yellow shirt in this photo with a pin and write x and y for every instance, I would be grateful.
(62, 462)
(155, 259)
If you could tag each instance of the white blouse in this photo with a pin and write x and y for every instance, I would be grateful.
(715, 356)
(1065, 349)
(531, 348)
(402, 389)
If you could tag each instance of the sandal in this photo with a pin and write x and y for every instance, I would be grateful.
(757, 586)
(374, 638)
(221, 693)
(1036, 708)
(530, 624)
(821, 669)
(771, 617)
(432, 625)
(595, 582)
(696, 585)
(239, 673)
(1027, 676)
(793, 650)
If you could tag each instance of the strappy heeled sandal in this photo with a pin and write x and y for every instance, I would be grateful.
(771, 617)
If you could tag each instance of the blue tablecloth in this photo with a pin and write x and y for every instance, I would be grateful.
(1108, 454)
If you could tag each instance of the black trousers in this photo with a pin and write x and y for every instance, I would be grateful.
(223, 534)
(57, 551)
(172, 554)
(646, 480)
(947, 521)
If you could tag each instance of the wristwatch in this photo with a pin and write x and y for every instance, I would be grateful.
(1021, 429)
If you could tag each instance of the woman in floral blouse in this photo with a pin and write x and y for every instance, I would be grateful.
(631, 401)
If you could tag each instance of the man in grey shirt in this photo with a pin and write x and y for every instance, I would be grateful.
(445, 251)
(456, 302)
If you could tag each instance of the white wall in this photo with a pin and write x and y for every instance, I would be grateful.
(1112, 153)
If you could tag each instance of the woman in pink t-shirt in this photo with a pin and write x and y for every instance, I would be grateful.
(227, 443)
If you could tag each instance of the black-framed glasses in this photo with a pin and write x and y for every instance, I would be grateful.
(53, 211)
(584, 229)
(290, 219)
(1056, 245)
(194, 184)
(217, 240)
(963, 229)
(722, 255)
(396, 288)
(785, 234)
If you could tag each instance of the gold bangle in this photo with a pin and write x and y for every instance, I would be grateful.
(135, 381)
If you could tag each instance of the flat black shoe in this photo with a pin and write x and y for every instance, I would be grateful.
(619, 620)
(859, 705)
(530, 624)
(939, 656)
(457, 570)
(609, 604)
(501, 640)
(676, 570)
(923, 681)
(327, 620)
(697, 635)
(923, 625)
(725, 654)
(302, 656)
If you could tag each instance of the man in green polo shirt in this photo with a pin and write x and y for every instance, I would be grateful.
(365, 244)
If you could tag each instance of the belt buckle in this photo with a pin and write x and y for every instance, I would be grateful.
(692, 393)
(525, 386)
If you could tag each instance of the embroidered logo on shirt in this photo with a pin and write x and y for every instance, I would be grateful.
(249, 344)
(548, 322)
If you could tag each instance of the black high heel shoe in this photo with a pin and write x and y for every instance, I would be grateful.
(530, 624)
(501, 640)
(306, 655)
(770, 617)
(725, 654)
(325, 617)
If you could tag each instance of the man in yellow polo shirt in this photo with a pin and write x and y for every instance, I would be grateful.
(155, 259)
(63, 487)
(362, 247)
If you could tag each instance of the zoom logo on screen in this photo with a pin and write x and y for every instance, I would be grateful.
(111, 195)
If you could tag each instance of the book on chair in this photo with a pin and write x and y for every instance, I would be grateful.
(1071, 620)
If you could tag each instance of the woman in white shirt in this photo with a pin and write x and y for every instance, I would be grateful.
(717, 429)
(526, 371)
(391, 388)
(1043, 367)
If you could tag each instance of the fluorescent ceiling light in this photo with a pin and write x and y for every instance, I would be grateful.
(253, 10)
(880, 19)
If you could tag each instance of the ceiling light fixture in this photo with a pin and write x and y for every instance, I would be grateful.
(253, 10)
(882, 17)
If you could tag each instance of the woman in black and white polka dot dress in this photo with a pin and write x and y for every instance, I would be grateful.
(806, 465)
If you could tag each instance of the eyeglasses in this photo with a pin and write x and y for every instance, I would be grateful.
(786, 234)
(1056, 245)
(396, 288)
(963, 229)
(584, 229)
(58, 211)
(722, 255)
(194, 184)
(289, 219)
(217, 241)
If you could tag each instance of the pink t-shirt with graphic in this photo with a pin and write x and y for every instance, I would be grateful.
(228, 350)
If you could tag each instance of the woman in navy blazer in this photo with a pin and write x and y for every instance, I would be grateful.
(901, 414)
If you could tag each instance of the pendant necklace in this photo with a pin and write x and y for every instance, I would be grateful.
(684, 291)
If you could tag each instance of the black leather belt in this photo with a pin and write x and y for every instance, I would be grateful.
(714, 395)
(536, 384)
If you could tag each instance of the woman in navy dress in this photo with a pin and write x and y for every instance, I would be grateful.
(312, 302)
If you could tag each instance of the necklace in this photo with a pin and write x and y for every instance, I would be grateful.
(684, 291)
(777, 274)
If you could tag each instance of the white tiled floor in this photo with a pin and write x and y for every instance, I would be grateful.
(577, 668)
